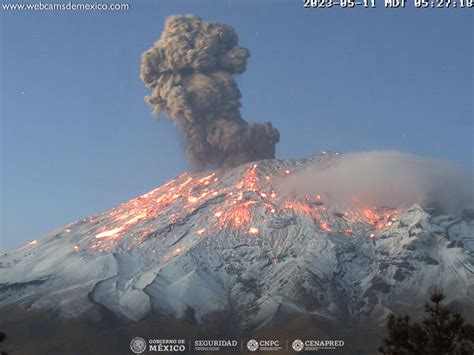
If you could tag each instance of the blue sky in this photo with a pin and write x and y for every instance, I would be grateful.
(77, 138)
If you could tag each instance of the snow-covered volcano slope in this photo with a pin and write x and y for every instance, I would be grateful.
(226, 243)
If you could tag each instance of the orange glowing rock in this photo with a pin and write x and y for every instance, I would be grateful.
(325, 227)
(175, 252)
(109, 233)
(137, 218)
(253, 230)
(200, 231)
(32, 243)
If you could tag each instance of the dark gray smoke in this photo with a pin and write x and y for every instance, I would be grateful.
(189, 70)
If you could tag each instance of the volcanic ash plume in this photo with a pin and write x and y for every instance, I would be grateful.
(387, 178)
(189, 70)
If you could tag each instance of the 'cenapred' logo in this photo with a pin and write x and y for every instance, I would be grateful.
(297, 345)
(138, 345)
(252, 345)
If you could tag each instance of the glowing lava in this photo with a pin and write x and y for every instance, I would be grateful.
(230, 209)
(253, 231)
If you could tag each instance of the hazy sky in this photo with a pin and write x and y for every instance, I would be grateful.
(77, 138)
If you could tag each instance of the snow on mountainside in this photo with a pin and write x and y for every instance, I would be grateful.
(227, 242)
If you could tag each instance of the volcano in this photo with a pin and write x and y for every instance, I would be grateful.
(227, 247)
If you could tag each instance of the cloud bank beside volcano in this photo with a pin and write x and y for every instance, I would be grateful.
(387, 178)
(190, 73)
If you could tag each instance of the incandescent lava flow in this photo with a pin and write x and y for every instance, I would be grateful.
(230, 203)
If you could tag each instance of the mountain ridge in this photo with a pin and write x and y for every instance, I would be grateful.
(229, 244)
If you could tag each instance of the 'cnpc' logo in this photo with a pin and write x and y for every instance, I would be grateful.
(252, 345)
